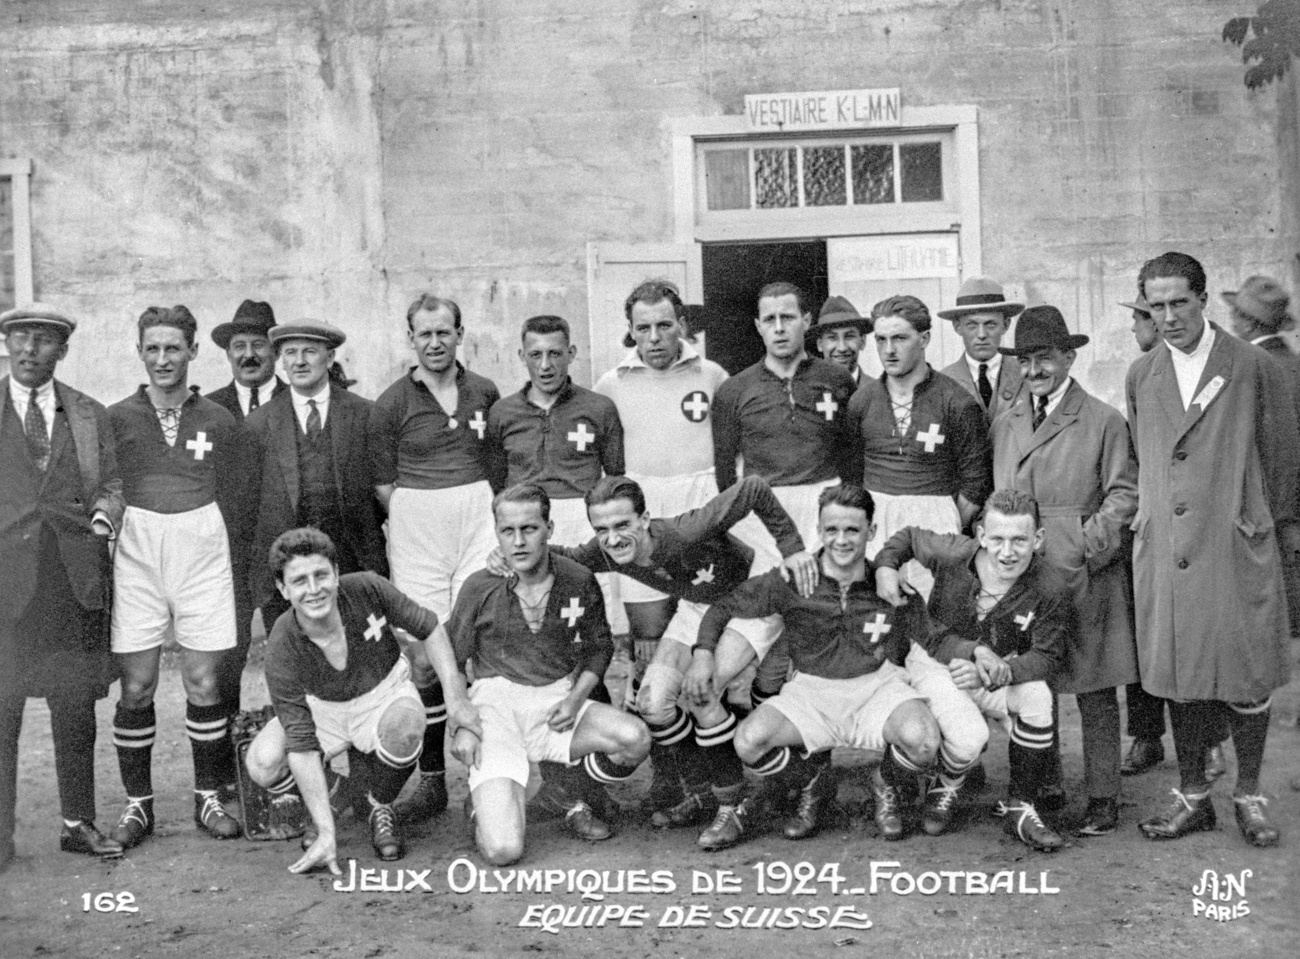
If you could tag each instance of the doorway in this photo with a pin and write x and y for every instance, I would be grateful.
(733, 273)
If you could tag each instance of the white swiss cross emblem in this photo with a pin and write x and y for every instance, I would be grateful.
(199, 445)
(581, 437)
(877, 629)
(827, 406)
(478, 424)
(573, 612)
(695, 406)
(1024, 619)
(375, 629)
(931, 438)
(703, 576)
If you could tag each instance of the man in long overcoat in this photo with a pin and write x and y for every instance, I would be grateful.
(60, 499)
(1070, 451)
(1213, 426)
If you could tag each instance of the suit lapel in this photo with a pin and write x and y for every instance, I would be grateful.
(1217, 365)
(1008, 385)
(341, 416)
(284, 434)
(1166, 386)
(1066, 412)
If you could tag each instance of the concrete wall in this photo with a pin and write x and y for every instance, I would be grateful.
(334, 157)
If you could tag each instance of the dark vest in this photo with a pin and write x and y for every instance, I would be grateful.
(318, 503)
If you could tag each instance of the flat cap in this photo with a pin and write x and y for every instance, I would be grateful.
(38, 313)
(307, 329)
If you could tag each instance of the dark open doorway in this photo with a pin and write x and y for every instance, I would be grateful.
(733, 275)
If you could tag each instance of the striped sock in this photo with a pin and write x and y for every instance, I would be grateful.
(604, 770)
(1029, 758)
(771, 762)
(209, 731)
(285, 784)
(433, 759)
(717, 754)
(133, 736)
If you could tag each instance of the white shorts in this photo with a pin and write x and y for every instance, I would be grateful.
(843, 712)
(172, 573)
(573, 529)
(666, 497)
(436, 538)
(801, 503)
(684, 627)
(515, 732)
(961, 724)
(1032, 702)
(936, 513)
(355, 722)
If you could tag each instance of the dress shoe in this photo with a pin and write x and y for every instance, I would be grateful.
(425, 801)
(1023, 822)
(582, 822)
(889, 818)
(940, 803)
(1143, 754)
(1253, 823)
(384, 837)
(728, 826)
(1101, 818)
(1185, 815)
(803, 822)
(211, 817)
(135, 823)
(695, 808)
(89, 841)
(1216, 764)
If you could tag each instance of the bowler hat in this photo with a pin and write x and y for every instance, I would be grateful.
(1264, 300)
(837, 312)
(1042, 328)
(253, 316)
(307, 329)
(41, 313)
(980, 294)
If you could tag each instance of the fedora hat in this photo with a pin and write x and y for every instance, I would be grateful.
(41, 313)
(1264, 300)
(837, 312)
(980, 294)
(1139, 305)
(1042, 328)
(309, 330)
(252, 316)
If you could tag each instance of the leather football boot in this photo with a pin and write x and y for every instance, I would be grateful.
(89, 841)
(211, 817)
(135, 823)
(940, 803)
(804, 821)
(1143, 754)
(1184, 816)
(384, 836)
(695, 808)
(728, 826)
(1253, 823)
(1101, 818)
(584, 824)
(889, 818)
(427, 799)
(1023, 822)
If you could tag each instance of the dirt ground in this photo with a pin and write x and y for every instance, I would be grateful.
(1117, 895)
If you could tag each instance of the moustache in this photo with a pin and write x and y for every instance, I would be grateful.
(250, 363)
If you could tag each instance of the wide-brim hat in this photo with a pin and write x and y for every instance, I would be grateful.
(1140, 305)
(980, 294)
(838, 312)
(1263, 299)
(41, 313)
(309, 330)
(1042, 328)
(253, 316)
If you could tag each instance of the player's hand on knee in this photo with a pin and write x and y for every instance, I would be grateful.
(801, 570)
(965, 674)
(563, 715)
(697, 684)
(465, 746)
(322, 852)
(994, 670)
(892, 586)
(496, 564)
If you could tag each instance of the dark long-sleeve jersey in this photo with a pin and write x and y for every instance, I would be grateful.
(695, 557)
(1029, 627)
(419, 445)
(487, 627)
(371, 608)
(839, 632)
(563, 449)
(791, 432)
(945, 451)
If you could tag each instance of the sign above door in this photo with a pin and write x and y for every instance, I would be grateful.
(823, 110)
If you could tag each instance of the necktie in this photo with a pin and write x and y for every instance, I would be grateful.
(313, 422)
(38, 441)
(985, 387)
(1040, 411)
(253, 400)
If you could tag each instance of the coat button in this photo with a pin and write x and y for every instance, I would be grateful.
(1182, 564)
(1181, 455)
(1180, 510)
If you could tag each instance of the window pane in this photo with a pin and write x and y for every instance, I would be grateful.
(823, 176)
(922, 165)
(726, 179)
(774, 177)
(873, 173)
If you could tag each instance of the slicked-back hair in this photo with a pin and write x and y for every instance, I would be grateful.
(1173, 264)
(848, 495)
(430, 303)
(1011, 502)
(305, 541)
(524, 493)
(546, 323)
(651, 292)
(177, 316)
(782, 288)
(610, 488)
(904, 307)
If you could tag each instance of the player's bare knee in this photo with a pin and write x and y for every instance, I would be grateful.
(633, 742)
(138, 689)
(657, 699)
(401, 728)
(916, 732)
(501, 851)
(751, 741)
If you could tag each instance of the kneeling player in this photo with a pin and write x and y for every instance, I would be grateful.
(849, 688)
(338, 681)
(527, 635)
(1007, 614)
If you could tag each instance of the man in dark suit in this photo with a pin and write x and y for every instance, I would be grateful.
(313, 450)
(981, 318)
(247, 342)
(60, 500)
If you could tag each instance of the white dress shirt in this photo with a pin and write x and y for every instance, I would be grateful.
(1188, 367)
(264, 394)
(1054, 397)
(994, 369)
(322, 399)
(20, 396)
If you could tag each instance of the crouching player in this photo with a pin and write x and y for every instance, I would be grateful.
(1007, 615)
(338, 681)
(849, 688)
(527, 635)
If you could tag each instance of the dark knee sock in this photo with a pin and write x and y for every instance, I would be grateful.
(209, 732)
(73, 725)
(602, 769)
(384, 782)
(1029, 758)
(1249, 722)
(572, 782)
(718, 762)
(1193, 726)
(133, 736)
(432, 759)
(672, 746)
(898, 769)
